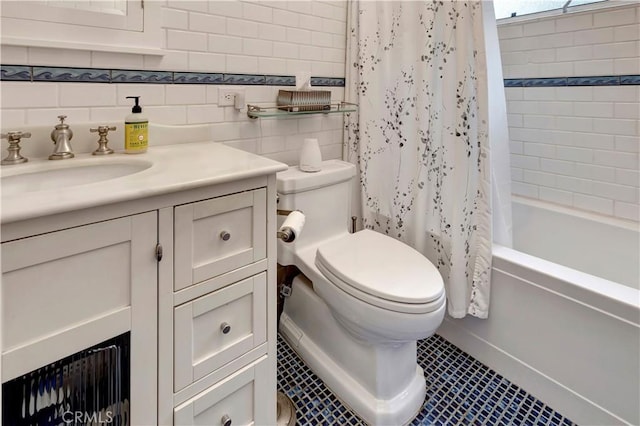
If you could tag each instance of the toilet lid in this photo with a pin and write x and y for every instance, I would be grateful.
(382, 267)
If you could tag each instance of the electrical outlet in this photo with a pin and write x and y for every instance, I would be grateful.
(227, 97)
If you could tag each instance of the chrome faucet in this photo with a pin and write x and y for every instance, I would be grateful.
(61, 137)
(14, 156)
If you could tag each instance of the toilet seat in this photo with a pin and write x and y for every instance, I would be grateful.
(382, 271)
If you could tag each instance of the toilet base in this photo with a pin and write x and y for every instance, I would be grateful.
(382, 383)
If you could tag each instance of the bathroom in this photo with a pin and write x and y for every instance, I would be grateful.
(563, 324)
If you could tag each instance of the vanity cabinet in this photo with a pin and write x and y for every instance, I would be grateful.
(190, 274)
(223, 303)
(71, 289)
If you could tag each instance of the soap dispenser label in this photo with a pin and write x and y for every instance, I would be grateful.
(135, 136)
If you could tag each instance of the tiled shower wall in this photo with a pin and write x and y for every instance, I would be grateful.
(575, 145)
(275, 38)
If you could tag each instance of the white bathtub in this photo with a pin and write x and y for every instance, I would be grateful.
(600, 246)
(569, 337)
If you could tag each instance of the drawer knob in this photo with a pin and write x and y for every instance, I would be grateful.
(225, 236)
(225, 420)
(225, 328)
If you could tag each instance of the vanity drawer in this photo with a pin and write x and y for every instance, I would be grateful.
(217, 328)
(236, 399)
(219, 235)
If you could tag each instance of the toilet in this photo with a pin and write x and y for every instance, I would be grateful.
(361, 303)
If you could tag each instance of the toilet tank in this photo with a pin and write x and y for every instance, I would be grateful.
(325, 199)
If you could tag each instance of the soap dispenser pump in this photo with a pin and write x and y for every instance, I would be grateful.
(136, 129)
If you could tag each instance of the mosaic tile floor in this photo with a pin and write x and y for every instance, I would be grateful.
(460, 391)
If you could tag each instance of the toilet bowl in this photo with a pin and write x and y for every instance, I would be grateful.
(361, 302)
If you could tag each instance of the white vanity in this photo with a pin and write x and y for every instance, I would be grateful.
(176, 246)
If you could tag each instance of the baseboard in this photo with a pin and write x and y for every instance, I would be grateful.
(569, 403)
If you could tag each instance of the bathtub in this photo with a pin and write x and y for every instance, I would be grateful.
(564, 321)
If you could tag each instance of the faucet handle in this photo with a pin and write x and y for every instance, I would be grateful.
(14, 156)
(15, 136)
(103, 131)
(62, 118)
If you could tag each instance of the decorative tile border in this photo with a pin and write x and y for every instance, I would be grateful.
(630, 79)
(545, 82)
(606, 80)
(85, 75)
(197, 78)
(92, 75)
(281, 80)
(244, 79)
(594, 81)
(331, 82)
(125, 76)
(15, 73)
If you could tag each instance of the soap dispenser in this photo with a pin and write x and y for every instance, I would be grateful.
(136, 130)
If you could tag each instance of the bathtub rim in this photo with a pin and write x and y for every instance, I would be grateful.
(583, 214)
(608, 297)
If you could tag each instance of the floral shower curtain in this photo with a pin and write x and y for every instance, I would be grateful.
(420, 140)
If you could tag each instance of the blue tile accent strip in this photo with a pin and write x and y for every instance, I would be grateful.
(544, 82)
(244, 79)
(15, 72)
(63, 74)
(280, 80)
(460, 391)
(325, 81)
(197, 78)
(126, 76)
(513, 82)
(594, 81)
(84, 75)
(630, 79)
(58, 74)
(605, 80)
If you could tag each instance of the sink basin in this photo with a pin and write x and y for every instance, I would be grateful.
(40, 179)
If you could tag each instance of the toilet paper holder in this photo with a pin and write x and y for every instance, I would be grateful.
(292, 226)
(286, 235)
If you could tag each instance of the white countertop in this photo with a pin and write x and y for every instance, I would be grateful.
(173, 168)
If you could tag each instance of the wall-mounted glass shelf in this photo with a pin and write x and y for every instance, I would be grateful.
(254, 111)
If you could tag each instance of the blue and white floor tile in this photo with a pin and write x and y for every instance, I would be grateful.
(460, 391)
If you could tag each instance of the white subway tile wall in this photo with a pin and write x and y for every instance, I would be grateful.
(582, 44)
(576, 146)
(276, 38)
(588, 148)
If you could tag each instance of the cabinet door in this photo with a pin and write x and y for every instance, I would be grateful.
(126, 15)
(217, 328)
(240, 399)
(218, 235)
(68, 290)
(116, 26)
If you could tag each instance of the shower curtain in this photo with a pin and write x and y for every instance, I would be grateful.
(421, 138)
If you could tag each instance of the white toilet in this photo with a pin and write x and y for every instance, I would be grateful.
(363, 302)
